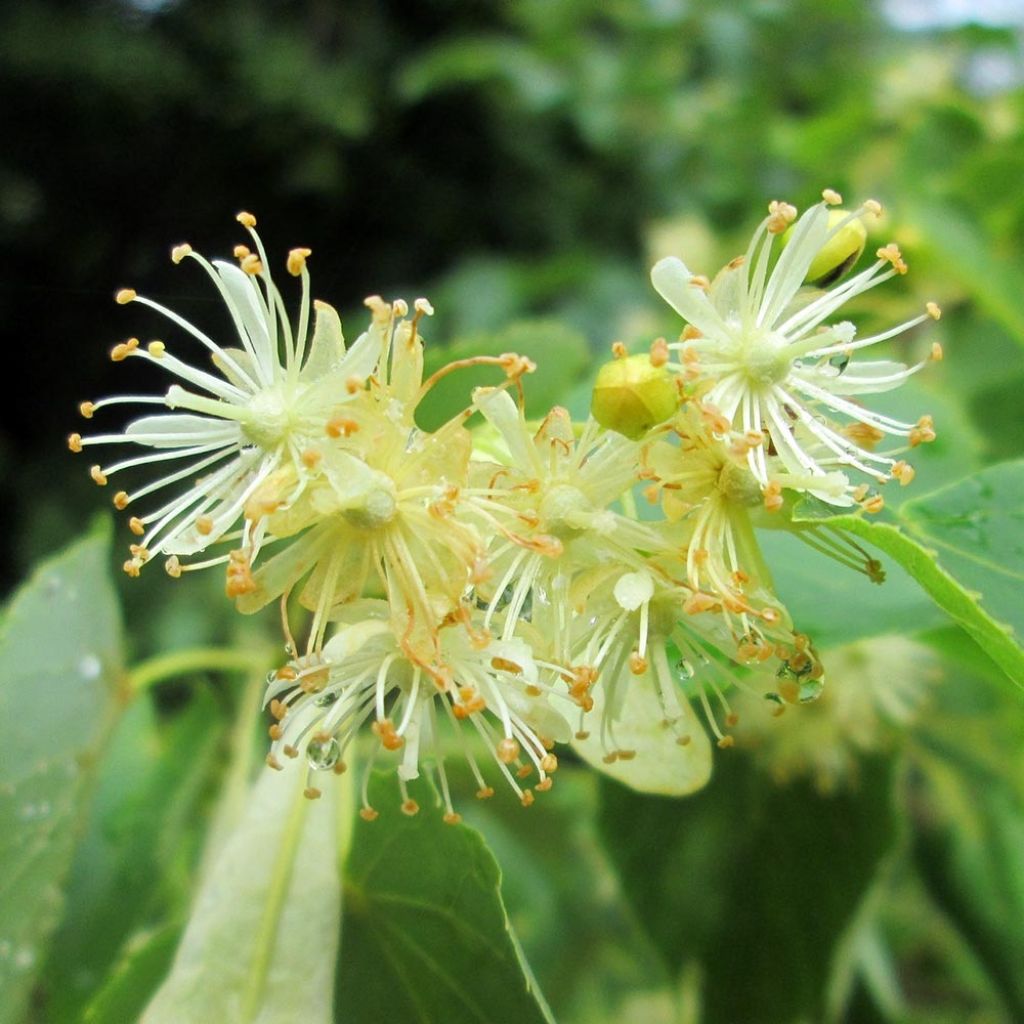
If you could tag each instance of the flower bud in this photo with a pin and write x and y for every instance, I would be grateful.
(631, 395)
(839, 253)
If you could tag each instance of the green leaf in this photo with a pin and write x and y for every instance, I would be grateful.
(261, 942)
(134, 978)
(754, 882)
(60, 664)
(964, 545)
(968, 834)
(427, 939)
(961, 250)
(134, 865)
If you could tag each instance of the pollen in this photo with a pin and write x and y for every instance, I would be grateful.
(832, 197)
(507, 750)
(252, 265)
(86, 409)
(121, 500)
(891, 254)
(124, 296)
(123, 350)
(157, 349)
(136, 525)
(246, 219)
(297, 261)
(179, 252)
(98, 475)
(173, 567)
(75, 442)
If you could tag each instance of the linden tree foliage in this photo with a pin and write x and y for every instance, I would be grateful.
(61, 689)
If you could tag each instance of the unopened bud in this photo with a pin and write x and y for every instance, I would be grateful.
(632, 395)
(839, 253)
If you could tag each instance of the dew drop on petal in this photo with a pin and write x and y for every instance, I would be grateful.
(323, 755)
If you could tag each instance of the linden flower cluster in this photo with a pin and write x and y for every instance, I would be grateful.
(488, 589)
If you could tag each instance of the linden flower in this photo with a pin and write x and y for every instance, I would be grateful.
(384, 507)
(768, 358)
(547, 504)
(362, 675)
(260, 419)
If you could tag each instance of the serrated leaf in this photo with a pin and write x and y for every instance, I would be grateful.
(260, 946)
(754, 882)
(60, 665)
(964, 545)
(427, 939)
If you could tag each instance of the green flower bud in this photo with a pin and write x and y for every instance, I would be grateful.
(632, 395)
(839, 253)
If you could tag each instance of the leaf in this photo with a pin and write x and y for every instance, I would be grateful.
(135, 977)
(756, 883)
(964, 545)
(261, 943)
(60, 663)
(134, 865)
(968, 834)
(957, 246)
(427, 939)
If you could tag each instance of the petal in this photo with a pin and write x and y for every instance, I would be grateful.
(672, 281)
(182, 430)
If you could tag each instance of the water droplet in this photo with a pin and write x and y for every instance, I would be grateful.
(323, 755)
(89, 667)
(684, 670)
(325, 700)
(810, 690)
(272, 677)
(289, 649)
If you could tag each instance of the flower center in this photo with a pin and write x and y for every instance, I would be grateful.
(563, 508)
(738, 486)
(376, 508)
(764, 359)
(272, 414)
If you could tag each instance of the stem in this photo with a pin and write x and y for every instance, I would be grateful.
(194, 659)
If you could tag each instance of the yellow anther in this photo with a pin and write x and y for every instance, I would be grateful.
(698, 602)
(204, 524)
(773, 496)
(310, 457)
(124, 349)
(507, 750)
(619, 350)
(272, 762)
(136, 525)
(131, 568)
(549, 763)
(690, 333)
(86, 409)
(75, 442)
(891, 254)
(832, 197)
(527, 798)
(311, 793)
(355, 384)
(873, 206)
(121, 500)
(423, 307)
(780, 216)
(903, 472)
(173, 568)
(124, 296)
(410, 807)
(923, 433)
(485, 793)
(726, 742)
(936, 353)
(637, 664)
(451, 818)
(933, 310)
(297, 261)
(771, 615)
(874, 503)
(659, 352)
(179, 252)
(156, 349)
(252, 264)
(98, 475)
(246, 219)
(241, 251)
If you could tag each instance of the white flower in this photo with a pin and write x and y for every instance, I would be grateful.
(254, 428)
(765, 354)
(362, 675)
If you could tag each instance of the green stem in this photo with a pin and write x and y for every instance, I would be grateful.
(194, 659)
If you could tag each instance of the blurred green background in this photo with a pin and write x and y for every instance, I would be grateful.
(520, 163)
